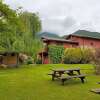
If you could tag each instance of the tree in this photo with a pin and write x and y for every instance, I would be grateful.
(1, 0)
(10, 26)
(32, 23)
(18, 31)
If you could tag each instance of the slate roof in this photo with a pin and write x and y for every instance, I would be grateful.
(58, 40)
(83, 33)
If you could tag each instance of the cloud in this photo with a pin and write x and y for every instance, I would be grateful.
(63, 16)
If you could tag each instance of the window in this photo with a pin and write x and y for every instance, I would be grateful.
(91, 43)
(59, 43)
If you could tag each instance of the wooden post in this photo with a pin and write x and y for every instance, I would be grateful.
(42, 57)
(17, 60)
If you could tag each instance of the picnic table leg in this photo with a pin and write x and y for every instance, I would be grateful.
(53, 76)
(71, 73)
(79, 72)
(82, 79)
(60, 73)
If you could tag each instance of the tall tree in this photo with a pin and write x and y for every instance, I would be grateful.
(1, 0)
(18, 31)
(10, 27)
(32, 23)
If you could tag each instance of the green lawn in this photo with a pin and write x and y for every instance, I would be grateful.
(33, 83)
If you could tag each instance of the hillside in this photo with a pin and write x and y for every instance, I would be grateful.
(87, 34)
(48, 34)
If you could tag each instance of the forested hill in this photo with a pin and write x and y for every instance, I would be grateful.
(48, 34)
(86, 33)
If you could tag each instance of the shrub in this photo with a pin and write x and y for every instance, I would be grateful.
(38, 61)
(55, 54)
(72, 55)
(29, 60)
(96, 61)
(77, 55)
(87, 55)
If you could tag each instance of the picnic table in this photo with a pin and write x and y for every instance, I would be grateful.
(58, 72)
(64, 78)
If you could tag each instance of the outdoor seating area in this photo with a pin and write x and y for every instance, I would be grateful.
(66, 74)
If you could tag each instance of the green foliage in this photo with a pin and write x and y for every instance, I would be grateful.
(96, 60)
(77, 55)
(18, 31)
(96, 57)
(9, 18)
(19, 45)
(38, 61)
(9, 27)
(2, 49)
(30, 60)
(55, 53)
(72, 55)
(87, 55)
(32, 23)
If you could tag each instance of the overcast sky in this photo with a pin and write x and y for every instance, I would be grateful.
(63, 16)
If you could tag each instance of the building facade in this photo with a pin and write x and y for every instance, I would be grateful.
(84, 41)
(78, 39)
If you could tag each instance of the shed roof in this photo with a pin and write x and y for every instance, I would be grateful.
(2, 53)
(58, 40)
(85, 34)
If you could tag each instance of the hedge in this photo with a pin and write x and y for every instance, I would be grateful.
(55, 54)
(77, 55)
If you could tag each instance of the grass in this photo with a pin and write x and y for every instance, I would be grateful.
(33, 83)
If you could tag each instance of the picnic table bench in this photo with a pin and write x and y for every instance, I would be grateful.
(65, 78)
(56, 73)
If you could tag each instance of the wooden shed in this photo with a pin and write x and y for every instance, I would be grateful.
(11, 59)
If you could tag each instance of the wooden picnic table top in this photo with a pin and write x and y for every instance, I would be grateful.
(63, 70)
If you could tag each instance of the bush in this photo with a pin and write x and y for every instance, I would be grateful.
(55, 54)
(87, 55)
(96, 61)
(72, 55)
(29, 60)
(77, 56)
(38, 61)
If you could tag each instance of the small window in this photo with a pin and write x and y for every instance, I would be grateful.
(59, 43)
(91, 43)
